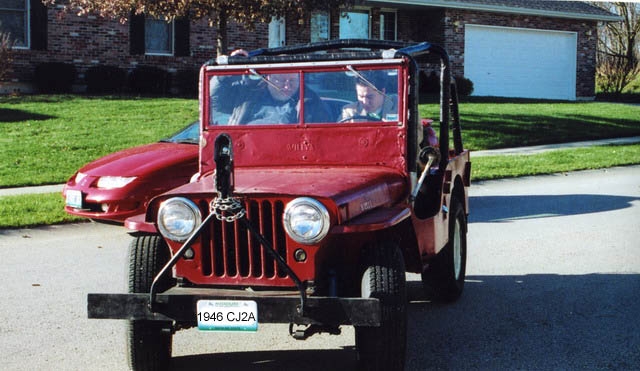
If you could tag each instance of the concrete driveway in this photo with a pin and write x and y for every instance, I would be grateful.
(553, 284)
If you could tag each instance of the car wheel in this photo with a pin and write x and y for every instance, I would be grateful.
(446, 274)
(149, 342)
(384, 347)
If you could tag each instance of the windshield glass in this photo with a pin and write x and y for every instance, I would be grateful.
(190, 134)
(344, 95)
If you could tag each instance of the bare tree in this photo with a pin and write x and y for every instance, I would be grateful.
(618, 56)
(6, 53)
(217, 12)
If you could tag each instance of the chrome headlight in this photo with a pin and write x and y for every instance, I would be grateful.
(177, 218)
(111, 182)
(306, 220)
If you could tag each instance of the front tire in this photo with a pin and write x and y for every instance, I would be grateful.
(446, 274)
(149, 342)
(384, 347)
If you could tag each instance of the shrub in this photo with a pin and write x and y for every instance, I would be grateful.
(148, 80)
(464, 85)
(185, 82)
(619, 97)
(105, 79)
(55, 77)
(430, 84)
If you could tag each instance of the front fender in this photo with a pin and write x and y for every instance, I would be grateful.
(375, 220)
(139, 223)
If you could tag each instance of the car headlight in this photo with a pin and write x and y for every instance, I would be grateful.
(306, 220)
(178, 217)
(79, 177)
(111, 182)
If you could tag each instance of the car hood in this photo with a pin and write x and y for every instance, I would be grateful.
(352, 190)
(141, 160)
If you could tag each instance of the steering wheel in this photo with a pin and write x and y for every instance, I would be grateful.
(358, 117)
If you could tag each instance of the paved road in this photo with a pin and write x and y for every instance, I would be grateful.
(553, 283)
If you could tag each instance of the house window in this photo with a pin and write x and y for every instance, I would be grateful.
(158, 37)
(354, 24)
(277, 32)
(388, 29)
(319, 26)
(14, 16)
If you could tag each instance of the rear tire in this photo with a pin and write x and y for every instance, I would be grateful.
(149, 342)
(446, 274)
(383, 348)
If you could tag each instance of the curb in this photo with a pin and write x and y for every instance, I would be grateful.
(31, 190)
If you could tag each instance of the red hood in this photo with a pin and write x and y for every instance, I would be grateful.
(142, 160)
(329, 182)
(354, 190)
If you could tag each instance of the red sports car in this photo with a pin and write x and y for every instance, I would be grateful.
(119, 185)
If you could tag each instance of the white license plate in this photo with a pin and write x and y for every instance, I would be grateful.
(74, 199)
(227, 315)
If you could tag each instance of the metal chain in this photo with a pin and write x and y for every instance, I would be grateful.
(227, 209)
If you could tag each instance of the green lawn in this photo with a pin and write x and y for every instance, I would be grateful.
(33, 209)
(45, 139)
(508, 123)
(495, 167)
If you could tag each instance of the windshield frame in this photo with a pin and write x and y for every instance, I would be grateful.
(304, 69)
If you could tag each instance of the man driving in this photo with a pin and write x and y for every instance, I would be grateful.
(373, 103)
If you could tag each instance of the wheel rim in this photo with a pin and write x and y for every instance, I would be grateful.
(365, 284)
(457, 251)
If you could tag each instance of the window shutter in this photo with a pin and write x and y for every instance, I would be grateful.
(136, 34)
(38, 25)
(182, 44)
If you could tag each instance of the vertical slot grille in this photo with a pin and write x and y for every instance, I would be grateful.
(233, 252)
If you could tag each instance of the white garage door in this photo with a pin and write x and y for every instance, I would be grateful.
(517, 62)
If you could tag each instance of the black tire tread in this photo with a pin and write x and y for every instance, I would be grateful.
(384, 347)
(439, 277)
(149, 344)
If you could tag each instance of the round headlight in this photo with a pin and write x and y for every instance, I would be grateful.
(306, 220)
(177, 218)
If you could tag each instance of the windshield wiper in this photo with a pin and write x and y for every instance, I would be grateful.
(188, 141)
(367, 82)
(266, 80)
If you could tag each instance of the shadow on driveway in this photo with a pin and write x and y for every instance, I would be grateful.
(495, 209)
(530, 322)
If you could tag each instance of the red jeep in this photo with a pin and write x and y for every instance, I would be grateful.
(320, 186)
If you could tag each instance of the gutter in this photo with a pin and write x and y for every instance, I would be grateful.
(500, 9)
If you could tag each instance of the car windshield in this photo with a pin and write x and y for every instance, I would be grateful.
(190, 134)
(345, 94)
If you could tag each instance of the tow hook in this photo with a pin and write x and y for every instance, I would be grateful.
(303, 333)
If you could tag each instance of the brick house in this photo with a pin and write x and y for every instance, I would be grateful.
(517, 48)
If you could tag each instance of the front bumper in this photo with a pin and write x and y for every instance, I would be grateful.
(120, 203)
(179, 304)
